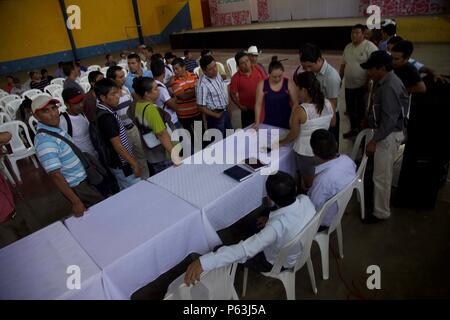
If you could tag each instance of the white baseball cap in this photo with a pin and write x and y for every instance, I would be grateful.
(41, 101)
(253, 50)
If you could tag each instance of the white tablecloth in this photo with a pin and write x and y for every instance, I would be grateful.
(138, 234)
(223, 201)
(36, 266)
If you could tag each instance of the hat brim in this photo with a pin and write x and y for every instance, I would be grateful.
(55, 101)
(76, 99)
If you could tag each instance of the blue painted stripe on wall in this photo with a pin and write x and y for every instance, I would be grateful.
(182, 20)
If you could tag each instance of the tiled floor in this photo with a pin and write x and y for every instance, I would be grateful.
(412, 248)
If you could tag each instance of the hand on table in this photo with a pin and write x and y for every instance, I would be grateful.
(193, 273)
(78, 209)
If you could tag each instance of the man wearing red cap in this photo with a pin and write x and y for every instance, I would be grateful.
(74, 122)
(58, 158)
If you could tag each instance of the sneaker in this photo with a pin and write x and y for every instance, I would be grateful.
(371, 219)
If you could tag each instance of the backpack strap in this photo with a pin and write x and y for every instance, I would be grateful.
(74, 148)
(69, 123)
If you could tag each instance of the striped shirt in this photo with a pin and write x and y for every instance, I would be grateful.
(186, 108)
(125, 101)
(211, 93)
(122, 132)
(39, 85)
(55, 154)
(190, 64)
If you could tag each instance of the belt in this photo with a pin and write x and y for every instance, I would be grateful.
(219, 110)
(129, 126)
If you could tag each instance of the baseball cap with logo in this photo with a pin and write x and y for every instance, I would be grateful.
(41, 101)
(72, 95)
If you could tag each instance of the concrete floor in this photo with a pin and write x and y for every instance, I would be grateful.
(412, 248)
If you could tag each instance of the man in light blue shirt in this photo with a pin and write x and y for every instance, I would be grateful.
(135, 70)
(333, 175)
(283, 224)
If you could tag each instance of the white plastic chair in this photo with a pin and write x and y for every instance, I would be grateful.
(124, 66)
(5, 100)
(217, 284)
(323, 238)
(12, 107)
(302, 242)
(94, 67)
(3, 94)
(366, 134)
(104, 70)
(32, 122)
(57, 94)
(232, 67)
(19, 149)
(86, 86)
(4, 117)
(197, 71)
(59, 81)
(51, 88)
(5, 171)
(84, 79)
(30, 94)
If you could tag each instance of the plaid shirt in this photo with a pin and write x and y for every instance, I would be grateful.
(211, 93)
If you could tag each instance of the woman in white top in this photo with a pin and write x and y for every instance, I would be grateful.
(315, 112)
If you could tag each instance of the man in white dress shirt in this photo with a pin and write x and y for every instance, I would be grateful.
(291, 216)
(332, 176)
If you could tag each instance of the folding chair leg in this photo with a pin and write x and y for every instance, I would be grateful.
(360, 193)
(324, 242)
(311, 275)
(244, 285)
(289, 285)
(15, 169)
(33, 158)
(7, 174)
(340, 241)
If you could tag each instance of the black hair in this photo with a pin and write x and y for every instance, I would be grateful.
(309, 81)
(239, 55)
(323, 144)
(205, 61)
(68, 67)
(395, 40)
(178, 61)
(142, 85)
(60, 64)
(359, 26)
(157, 67)
(275, 64)
(10, 76)
(281, 189)
(186, 52)
(44, 71)
(103, 87)
(31, 74)
(93, 76)
(134, 56)
(405, 47)
(390, 29)
(169, 55)
(205, 52)
(310, 53)
(107, 56)
(156, 56)
(111, 72)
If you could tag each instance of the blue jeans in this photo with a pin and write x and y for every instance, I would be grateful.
(122, 181)
(222, 124)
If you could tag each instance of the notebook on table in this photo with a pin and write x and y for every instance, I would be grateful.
(238, 173)
(254, 164)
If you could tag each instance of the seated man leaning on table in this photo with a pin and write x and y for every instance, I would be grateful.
(284, 223)
(58, 158)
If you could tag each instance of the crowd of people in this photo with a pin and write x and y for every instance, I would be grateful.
(124, 123)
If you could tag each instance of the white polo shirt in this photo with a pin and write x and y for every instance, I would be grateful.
(355, 76)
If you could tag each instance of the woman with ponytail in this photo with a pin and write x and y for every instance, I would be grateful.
(315, 112)
(275, 97)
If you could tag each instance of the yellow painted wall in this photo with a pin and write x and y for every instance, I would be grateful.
(31, 28)
(195, 8)
(104, 21)
(425, 29)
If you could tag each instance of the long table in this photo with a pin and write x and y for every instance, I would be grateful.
(138, 234)
(48, 264)
(222, 200)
